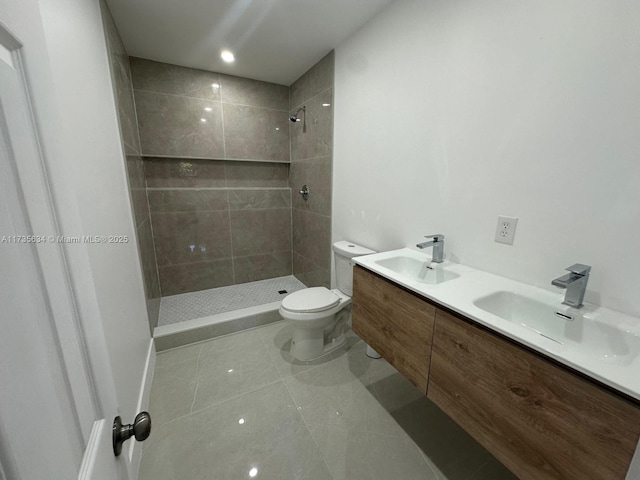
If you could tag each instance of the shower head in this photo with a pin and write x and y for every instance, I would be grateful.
(294, 118)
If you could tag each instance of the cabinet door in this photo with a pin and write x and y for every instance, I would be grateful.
(396, 323)
(540, 420)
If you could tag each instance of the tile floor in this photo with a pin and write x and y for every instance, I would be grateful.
(187, 306)
(239, 407)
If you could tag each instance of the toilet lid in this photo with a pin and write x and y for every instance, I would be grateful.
(313, 299)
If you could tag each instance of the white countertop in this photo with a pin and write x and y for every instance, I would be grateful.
(604, 328)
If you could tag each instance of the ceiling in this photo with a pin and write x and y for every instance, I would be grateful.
(273, 40)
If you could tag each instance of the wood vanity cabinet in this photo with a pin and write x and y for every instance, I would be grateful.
(395, 323)
(540, 420)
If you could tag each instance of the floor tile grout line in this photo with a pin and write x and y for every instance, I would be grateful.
(306, 426)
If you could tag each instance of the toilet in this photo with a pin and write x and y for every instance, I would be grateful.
(319, 315)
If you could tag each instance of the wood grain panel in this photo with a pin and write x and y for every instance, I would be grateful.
(396, 323)
(542, 421)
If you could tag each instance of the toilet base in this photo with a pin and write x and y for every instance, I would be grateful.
(309, 344)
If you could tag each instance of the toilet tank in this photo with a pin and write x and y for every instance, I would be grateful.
(344, 251)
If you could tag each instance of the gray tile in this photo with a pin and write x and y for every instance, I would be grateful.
(257, 198)
(187, 200)
(191, 277)
(187, 337)
(312, 237)
(369, 456)
(256, 174)
(317, 79)
(165, 78)
(317, 141)
(170, 172)
(187, 306)
(173, 390)
(149, 271)
(245, 91)
(188, 237)
(121, 76)
(226, 374)
(309, 273)
(256, 431)
(332, 395)
(252, 133)
(179, 126)
(316, 174)
(277, 337)
(260, 231)
(171, 401)
(137, 188)
(259, 267)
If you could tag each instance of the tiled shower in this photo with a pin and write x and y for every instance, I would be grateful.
(215, 166)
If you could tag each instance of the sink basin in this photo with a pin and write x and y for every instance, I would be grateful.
(419, 270)
(563, 325)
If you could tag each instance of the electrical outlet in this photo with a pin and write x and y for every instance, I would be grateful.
(506, 229)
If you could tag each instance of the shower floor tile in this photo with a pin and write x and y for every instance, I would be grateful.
(240, 406)
(188, 306)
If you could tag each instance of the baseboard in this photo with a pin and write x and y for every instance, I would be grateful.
(135, 447)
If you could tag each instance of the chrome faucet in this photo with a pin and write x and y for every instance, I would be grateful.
(575, 282)
(438, 247)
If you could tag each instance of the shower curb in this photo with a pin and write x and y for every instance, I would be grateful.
(199, 329)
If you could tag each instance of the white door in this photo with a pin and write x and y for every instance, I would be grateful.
(58, 397)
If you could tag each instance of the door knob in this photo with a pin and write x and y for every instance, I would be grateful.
(140, 428)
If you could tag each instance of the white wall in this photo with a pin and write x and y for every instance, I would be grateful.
(450, 113)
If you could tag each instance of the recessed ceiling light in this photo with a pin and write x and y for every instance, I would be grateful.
(215, 86)
(208, 109)
(203, 120)
(227, 56)
(326, 104)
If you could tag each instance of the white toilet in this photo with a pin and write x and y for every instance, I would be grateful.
(319, 315)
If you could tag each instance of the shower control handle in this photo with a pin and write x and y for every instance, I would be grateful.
(304, 192)
(140, 429)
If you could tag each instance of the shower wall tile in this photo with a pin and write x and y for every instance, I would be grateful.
(260, 231)
(191, 237)
(245, 91)
(316, 174)
(315, 80)
(173, 79)
(311, 164)
(312, 237)
(256, 174)
(309, 273)
(187, 200)
(124, 99)
(252, 133)
(121, 74)
(137, 188)
(172, 172)
(260, 267)
(149, 271)
(175, 279)
(259, 198)
(173, 125)
(213, 181)
(317, 141)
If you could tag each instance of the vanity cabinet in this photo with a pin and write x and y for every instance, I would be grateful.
(540, 419)
(394, 322)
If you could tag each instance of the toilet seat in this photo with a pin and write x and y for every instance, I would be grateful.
(310, 300)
